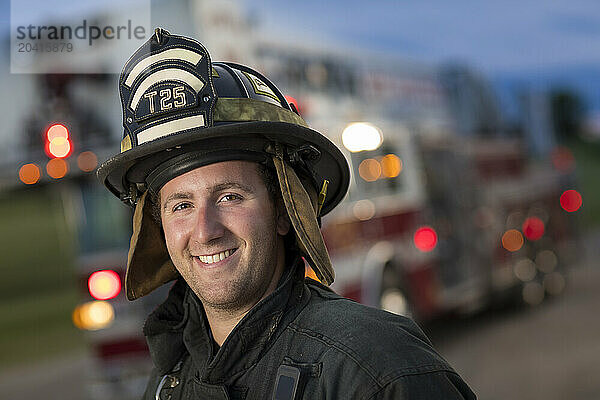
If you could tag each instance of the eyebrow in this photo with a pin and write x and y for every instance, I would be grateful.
(213, 189)
(176, 196)
(232, 185)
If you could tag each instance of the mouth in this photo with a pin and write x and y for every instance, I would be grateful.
(213, 258)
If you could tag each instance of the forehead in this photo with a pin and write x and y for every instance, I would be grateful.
(245, 173)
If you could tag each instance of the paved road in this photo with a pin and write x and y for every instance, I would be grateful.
(550, 352)
(58, 379)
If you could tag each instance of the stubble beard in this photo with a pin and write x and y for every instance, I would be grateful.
(246, 286)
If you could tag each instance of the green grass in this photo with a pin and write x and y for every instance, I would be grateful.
(37, 327)
(587, 156)
(38, 249)
(37, 289)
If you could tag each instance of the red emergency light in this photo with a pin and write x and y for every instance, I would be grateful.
(58, 144)
(533, 228)
(104, 285)
(571, 200)
(425, 238)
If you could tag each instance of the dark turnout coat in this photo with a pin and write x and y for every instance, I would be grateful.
(301, 342)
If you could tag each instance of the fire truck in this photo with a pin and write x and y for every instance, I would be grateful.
(436, 221)
(439, 225)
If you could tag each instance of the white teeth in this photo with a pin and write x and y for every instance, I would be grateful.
(215, 257)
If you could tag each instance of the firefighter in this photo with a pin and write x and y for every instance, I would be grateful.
(229, 184)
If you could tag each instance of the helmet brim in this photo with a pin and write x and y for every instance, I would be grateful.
(331, 165)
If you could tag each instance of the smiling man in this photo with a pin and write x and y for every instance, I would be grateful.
(229, 185)
(225, 235)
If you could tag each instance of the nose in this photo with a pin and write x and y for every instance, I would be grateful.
(207, 226)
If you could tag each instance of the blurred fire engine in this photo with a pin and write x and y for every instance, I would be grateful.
(445, 213)
(442, 224)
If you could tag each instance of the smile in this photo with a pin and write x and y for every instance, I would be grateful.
(213, 258)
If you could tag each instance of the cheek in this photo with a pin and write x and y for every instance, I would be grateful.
(252, 224)
(175, 233)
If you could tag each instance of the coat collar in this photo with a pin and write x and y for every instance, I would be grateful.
(179, 326)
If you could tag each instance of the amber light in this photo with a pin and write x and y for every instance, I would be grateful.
(571, 200)
(57, 168)
(512, 240)
(104, 285)
(425, 238)
(391, 165)
(533, 228)
(29, 174)
(93, 315)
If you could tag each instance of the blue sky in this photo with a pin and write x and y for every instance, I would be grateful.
(494, 36)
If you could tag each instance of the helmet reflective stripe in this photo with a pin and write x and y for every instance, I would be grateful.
(163, 75)
(171, 54)
(231, 110)
(167, 128)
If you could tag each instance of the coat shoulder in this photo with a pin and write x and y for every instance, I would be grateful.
(385, 344)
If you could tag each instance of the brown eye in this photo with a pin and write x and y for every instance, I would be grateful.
(181, 206)
(229, 197)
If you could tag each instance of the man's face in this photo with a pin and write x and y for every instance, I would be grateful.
(224, 234)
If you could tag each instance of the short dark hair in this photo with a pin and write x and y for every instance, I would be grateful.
(266, 172)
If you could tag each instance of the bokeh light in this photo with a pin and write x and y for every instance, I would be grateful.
(104, 285)
(533, 228)
(361, 136)
(571, 200)
(57, 131)
(525, 270)
(29, 174)
(512, 240)
(391, 166)
(364, 210)
(533, 293)
(58, 143)
(425, 238)
(369, 170)
(93, 315)
(57, 168)
(87, 161)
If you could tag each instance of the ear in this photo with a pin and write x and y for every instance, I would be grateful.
(283, 221)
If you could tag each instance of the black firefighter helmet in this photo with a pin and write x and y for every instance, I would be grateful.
(181, 111)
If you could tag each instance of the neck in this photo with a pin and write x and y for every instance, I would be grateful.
(223, 321)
